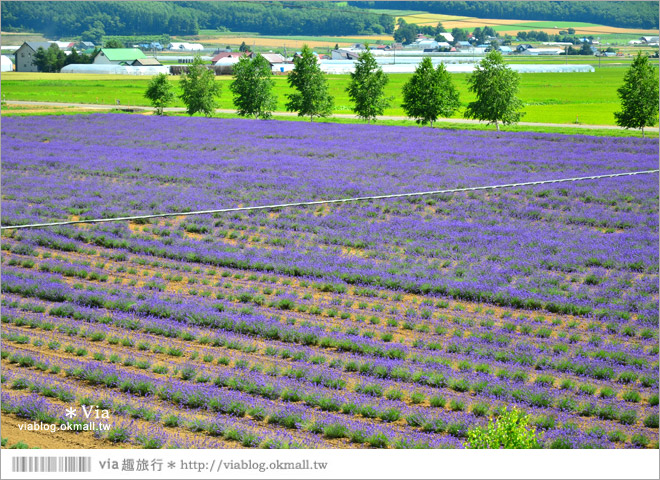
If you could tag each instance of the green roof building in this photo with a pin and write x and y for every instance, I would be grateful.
(118, 56)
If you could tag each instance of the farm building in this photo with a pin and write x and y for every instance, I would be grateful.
(65, 45)
(426, 44)
(112, 69)
(226, 58)
(118, 56)
(542, 51)
(282, 67)
(24, 56)
(146, 62)
(345, 54)
(188, 47)
(85, 45)
(650, 40)
(345, 66)
(448, 36)
(7, 64)
(181, 58)
(272, 58)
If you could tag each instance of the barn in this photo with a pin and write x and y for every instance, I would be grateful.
(118, 56)
(24, 56)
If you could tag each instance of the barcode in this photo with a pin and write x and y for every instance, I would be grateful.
(51, 464)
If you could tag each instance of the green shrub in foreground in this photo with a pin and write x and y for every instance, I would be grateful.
(510, 430)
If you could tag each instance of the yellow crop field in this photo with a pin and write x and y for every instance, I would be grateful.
(272, 42)
(470, 23)
(593, 30)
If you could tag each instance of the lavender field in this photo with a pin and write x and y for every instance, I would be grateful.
(391, 324)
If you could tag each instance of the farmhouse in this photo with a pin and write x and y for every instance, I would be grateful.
(118, 56)
(24, 56)
(650, 40)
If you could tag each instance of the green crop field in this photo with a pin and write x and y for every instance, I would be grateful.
(548, 97)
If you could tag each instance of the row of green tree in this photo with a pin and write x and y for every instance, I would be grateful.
(617, 14)
(52, 59)
(429, 94)
(406, 33)
(92, 20)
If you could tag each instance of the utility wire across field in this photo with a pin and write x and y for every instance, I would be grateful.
(326, 202)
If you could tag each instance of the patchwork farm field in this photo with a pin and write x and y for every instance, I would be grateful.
(391, 324)
(512, 27)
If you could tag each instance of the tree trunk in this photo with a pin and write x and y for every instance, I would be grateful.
(497, 125)
(642, 131)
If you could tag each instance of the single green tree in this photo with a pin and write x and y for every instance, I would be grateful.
(73, 57)
(639, 95)
(113, 43)
(199, 89)
(509, 431)
(312, 97)
(94, 33)
(496, 86)
(459, 34)
(430, 94)
(406, 33)
(585, 49)
(367, 87)
(243, 48)
(49, 60)
(253, 87)
(159, 92)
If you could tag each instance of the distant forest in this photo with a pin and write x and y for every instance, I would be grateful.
(94, 19)
(615, 14)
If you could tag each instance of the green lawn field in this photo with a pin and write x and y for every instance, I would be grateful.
(590, 98)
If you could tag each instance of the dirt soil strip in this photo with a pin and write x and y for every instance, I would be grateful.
(58, 439)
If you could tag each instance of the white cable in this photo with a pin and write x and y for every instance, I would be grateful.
(323, 202)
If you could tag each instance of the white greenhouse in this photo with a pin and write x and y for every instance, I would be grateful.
(348, 66)
(109, 69)
(7, 64)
